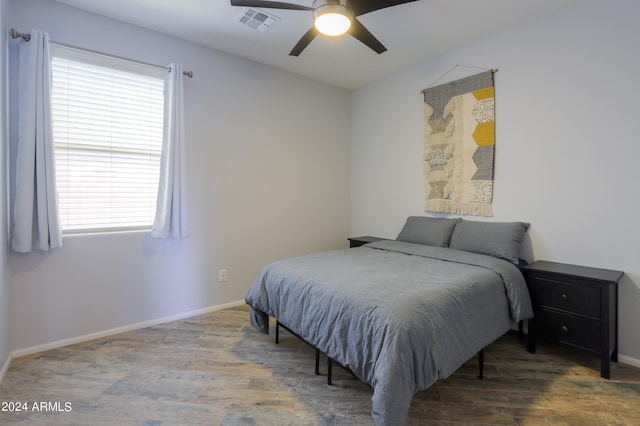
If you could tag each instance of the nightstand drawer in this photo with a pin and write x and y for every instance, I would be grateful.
(564, 328)
(575, 298)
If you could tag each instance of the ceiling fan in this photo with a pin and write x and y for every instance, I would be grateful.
(332, 18)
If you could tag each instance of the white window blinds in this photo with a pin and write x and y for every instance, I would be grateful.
(107, 126)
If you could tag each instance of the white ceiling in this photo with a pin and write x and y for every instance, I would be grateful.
(412, 32)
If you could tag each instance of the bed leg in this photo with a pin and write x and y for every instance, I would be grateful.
(329, 365)
(520, 329)
(277, 331)
(317, 362)
(481, 363)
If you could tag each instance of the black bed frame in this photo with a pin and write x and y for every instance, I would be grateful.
(331, 361)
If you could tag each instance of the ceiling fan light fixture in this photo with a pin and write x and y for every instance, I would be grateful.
(332, 18)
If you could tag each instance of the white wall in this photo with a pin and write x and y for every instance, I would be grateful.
(567, 146)
(266, 182)
(4, 269)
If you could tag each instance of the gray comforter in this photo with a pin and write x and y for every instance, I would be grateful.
(399, 315)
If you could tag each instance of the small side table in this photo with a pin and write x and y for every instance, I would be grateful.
(576, 306)
(358, 241)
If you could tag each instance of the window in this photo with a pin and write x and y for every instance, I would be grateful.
(107, 127)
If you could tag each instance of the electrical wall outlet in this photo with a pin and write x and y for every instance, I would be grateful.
(222, 276)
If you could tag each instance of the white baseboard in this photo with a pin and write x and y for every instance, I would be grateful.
(123, 329)
(629, 361)
(5, 367)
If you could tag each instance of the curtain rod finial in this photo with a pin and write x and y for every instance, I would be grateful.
(17, 34)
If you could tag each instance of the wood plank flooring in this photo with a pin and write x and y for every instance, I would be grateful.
(215, 369)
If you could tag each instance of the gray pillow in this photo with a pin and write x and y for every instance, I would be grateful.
(497, 239)
(430, 231)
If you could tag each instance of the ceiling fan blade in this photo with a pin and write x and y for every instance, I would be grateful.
(358, 31)
(304, 42)
(360, 7)
(269, 4)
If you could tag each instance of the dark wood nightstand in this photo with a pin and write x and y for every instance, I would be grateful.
(358, 241)
(576, 306)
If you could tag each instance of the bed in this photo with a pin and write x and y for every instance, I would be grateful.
(401, 314)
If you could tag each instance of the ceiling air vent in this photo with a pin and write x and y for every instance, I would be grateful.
(257, 19)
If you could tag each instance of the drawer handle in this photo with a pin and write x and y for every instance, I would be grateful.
(564, 296)
(565, 328)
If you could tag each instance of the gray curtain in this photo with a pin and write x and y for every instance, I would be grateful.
(36, 223)
(171, 219)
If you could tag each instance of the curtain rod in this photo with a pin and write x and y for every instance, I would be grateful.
(26, 37)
